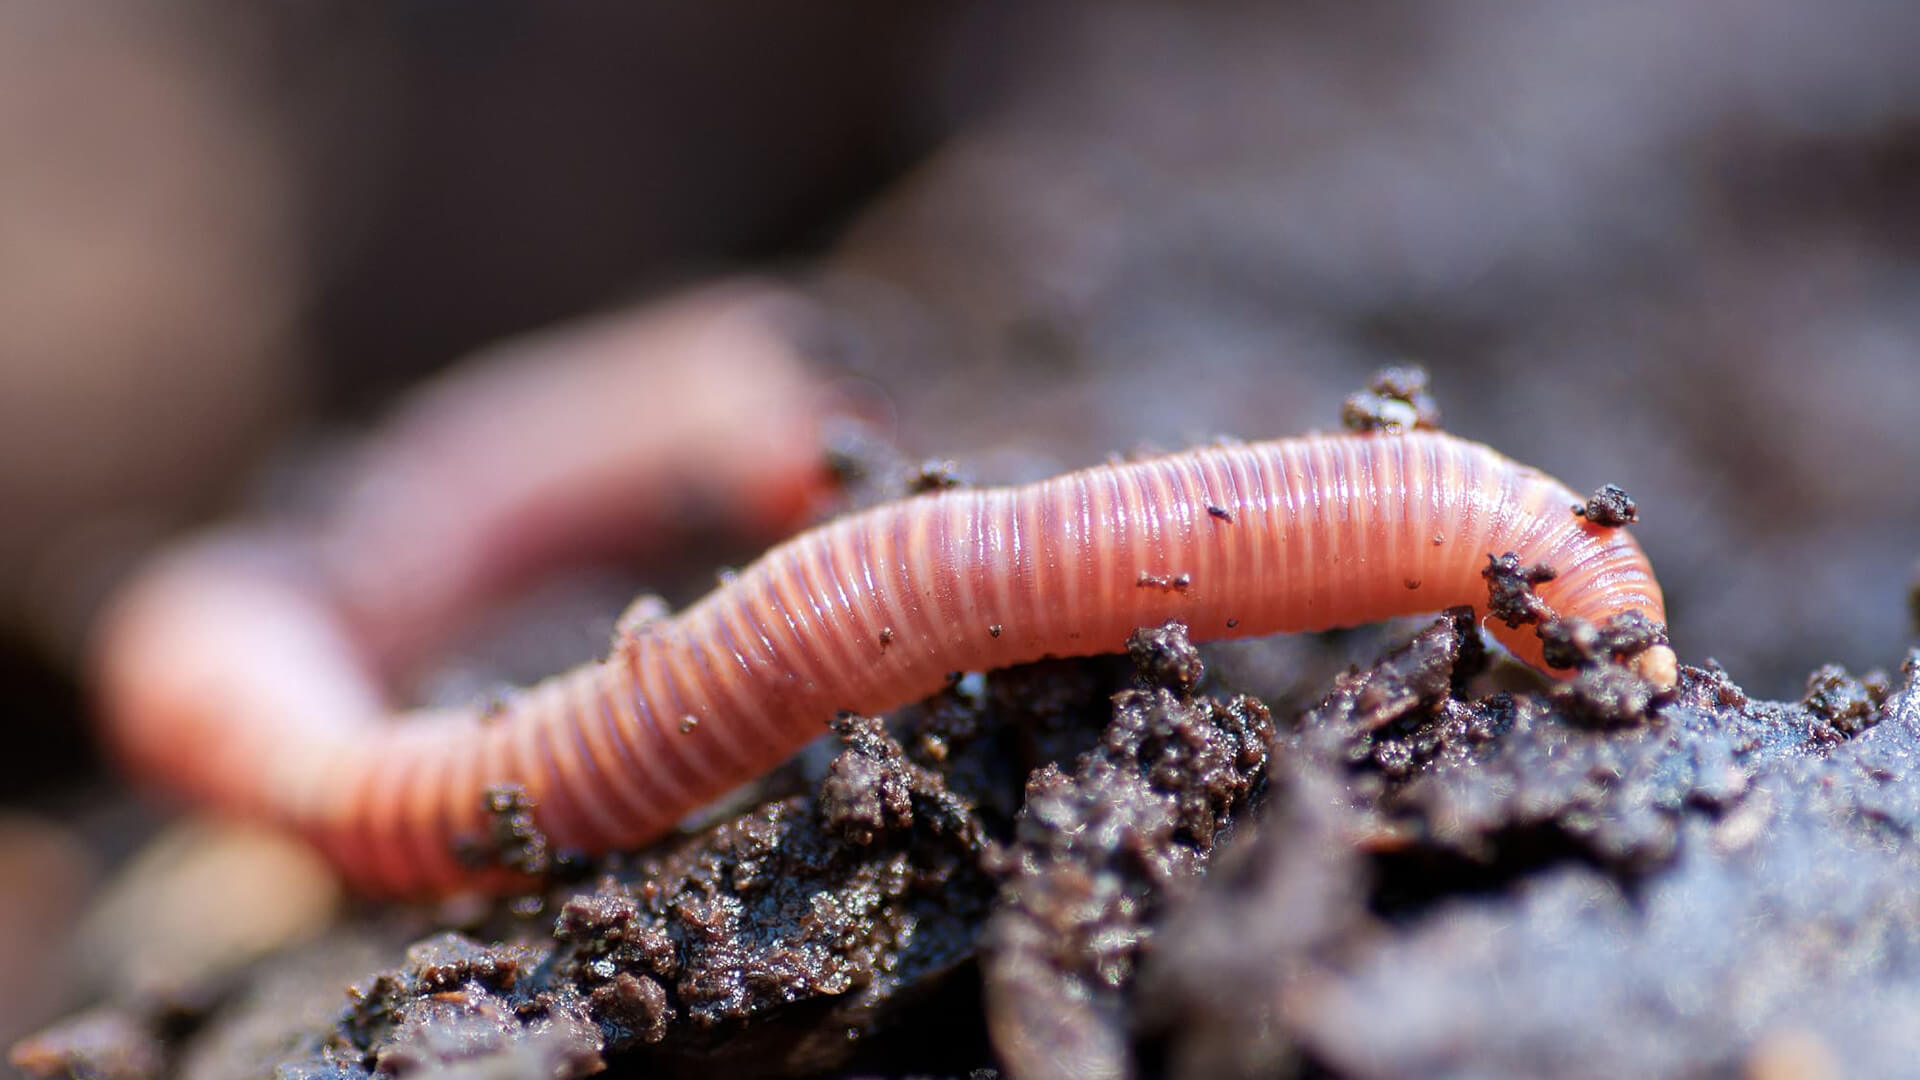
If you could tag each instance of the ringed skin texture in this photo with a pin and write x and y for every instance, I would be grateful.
(230, 672)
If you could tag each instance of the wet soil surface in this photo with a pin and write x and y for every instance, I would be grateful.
(1420, 875)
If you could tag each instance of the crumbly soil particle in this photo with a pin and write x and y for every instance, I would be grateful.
(513, 840)
(1510, 595)
(1610, 506)
(1396, 399)
(1603, 690)
(1845, 705)
(1575, 642)
(1604, 696)
(934, 475)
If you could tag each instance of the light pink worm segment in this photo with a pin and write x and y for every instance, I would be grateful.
(873, 610)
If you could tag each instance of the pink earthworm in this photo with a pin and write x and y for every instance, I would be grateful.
(232, 676)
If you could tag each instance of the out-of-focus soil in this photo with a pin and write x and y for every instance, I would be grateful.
(1637, 244)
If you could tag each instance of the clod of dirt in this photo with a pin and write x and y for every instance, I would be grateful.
(872, 790)
(1604, 696)
(1604, 692)
(1408, 681)
(1845, 704)
(1098, 853)
(1569, 642)
(1387, 722)
(1396, 399)
(1575, 642)
(515, 842)
(460, 1006)
(1510, 595)
(1164, 658)
(936, 475)
(1610, 506)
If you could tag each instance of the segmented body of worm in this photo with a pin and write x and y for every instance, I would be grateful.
(863, 613)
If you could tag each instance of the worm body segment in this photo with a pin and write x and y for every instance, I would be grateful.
(863, 613)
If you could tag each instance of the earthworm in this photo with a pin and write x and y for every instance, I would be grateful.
(862, 613)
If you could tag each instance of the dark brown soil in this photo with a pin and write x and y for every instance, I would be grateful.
(1418, 876)
(1644, 244)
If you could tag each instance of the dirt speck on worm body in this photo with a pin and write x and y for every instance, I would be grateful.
(513, 839)
(1510, 595)
(934, 476)
(1610, 506)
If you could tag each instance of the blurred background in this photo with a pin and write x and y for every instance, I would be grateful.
(1673, 247)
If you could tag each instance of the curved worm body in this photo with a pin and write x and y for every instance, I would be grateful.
(865, 613)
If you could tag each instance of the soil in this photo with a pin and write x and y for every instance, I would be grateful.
(1376, 853)
(1421, 875)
